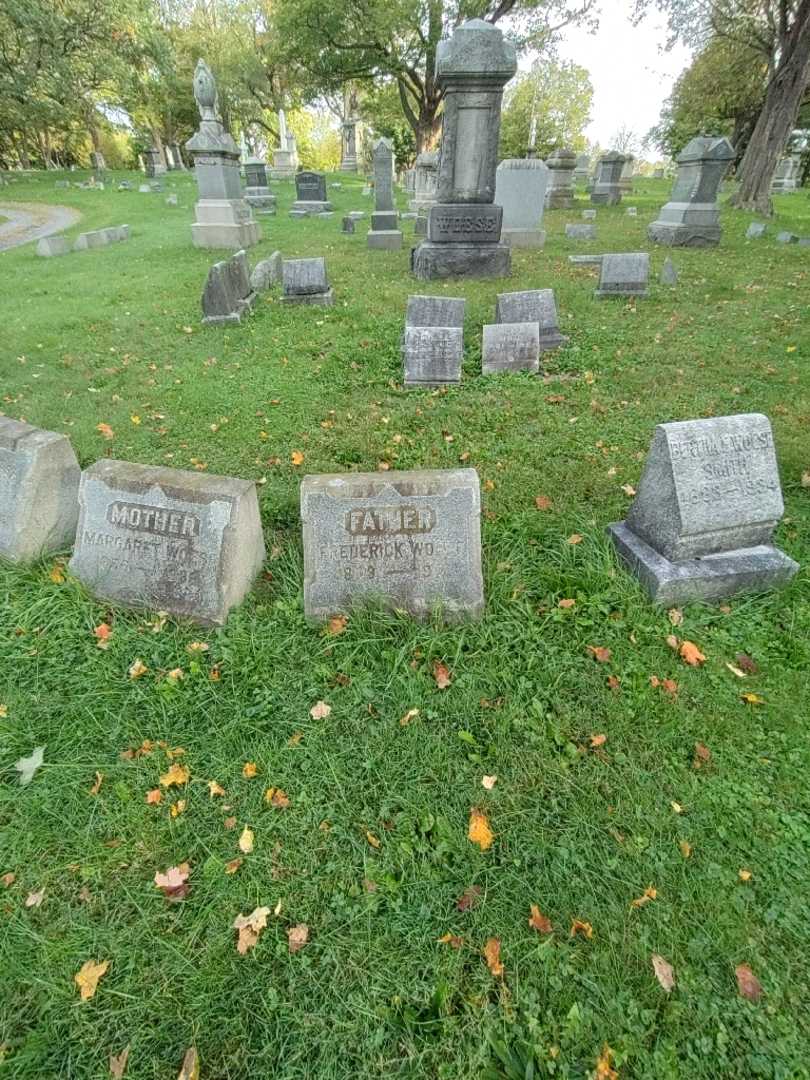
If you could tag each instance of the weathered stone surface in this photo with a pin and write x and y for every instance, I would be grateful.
(627, 274)
(125, 185)
(432, 355)
(708, 501)
(520, 190)
(227, 294)
(582, 168)
(787, 238)
(575, 231)
(755, 230)
(425, 180)
(691, 217)
(310, 192)
(588, 215)
(410, 541)
(383, 157)
(560, 190)
(788, 174)
(420, 225)
(266, 273)
(585, 260)
(435, 311)
(356, 215)
(607, 185)
(305, 282)
(466, 223)
(39, 485)
(49, 246)
(62, 184)
(183, 542)
(668, 275)
(384, 220)
(532, 306)
(144, 189)
(171, 200)
(101, 237)
(387, 240)
(348, 225)
(511, 347)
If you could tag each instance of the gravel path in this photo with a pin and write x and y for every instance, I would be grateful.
(31, 221)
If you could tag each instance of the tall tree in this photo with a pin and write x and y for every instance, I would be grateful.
(558, 96)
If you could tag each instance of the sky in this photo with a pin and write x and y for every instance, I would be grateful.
(630, 72)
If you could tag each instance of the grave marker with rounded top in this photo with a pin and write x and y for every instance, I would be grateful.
(410, 541)
(305, 282)
(257, 193)
(39, 484)
(691, 217)
(702, 522)
(520, 189)
(184, 542)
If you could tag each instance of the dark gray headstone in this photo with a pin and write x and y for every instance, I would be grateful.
(227, 294)
(627, 274)
(310, 187)
(305, 282)
(348, 225)
(691, 217)
(532, 305)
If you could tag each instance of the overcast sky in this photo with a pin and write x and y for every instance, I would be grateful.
(630, 72)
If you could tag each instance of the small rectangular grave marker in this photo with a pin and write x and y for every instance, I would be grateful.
(305, 282)
(532, 305)
(432, 355)
(435, 311)
(511, 347)
(624, 275)
(575, 231)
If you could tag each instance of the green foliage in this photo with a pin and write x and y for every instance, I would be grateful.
(560, 95)
(381, 110)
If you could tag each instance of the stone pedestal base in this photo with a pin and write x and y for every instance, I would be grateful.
(675, 235)
(523, 238)
(322, 299)
(714, 577)
(310, 207)
(283, 165)
(244, 307)
(606, 198)
(559, 200)
(431, 260)
(384, 239)
(349, 164)
(224, 223)
(260, 200)
(421, 204)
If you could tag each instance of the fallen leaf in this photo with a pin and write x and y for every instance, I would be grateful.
(748, 665)
(274, 796)
(538, 921)
(249, 770)
(599, 653)
(215, 789)
(614, 682)
(452, 940)
(753, 699)
(27, 766)
(154, 796)
(492, 955)
(249, 927)
(174, 883)
(118, 1064)
(736, 671)
(580, 927)
(137, 668)
(745, 875)
(649, 894)
(197, 646)
(489, 782)
(628, 489)
(703, 756)
(177, 775)
(88, 976)
(574, 538)
(675, 616)
(336, 625)
(246, 841)
(175, 675)
(372, 839)
(190, 1069)
(320, 710)
(34, 899)
(598, 740)
(441, 673)
(57, 574)
(677, 808)
(102, 632)
(748, 984)
(673, 642)
(232, 866)
(542, 502)
(479, 831)
(691, 654)
(297, 458)
(604, 1071)
(178, 808)
(565, 604)
(229, 822)
(469, 898)
(664, 972)
(297, 937)
(96, 788)
(411, 714)
(8, 879)
(686, 848)
(105, 430)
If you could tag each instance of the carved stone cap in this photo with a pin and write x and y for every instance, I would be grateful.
(477, 49)
(562, 159)
(523, 163)
(706, 147)
(614, 155)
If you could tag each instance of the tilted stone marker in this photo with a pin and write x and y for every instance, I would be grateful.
(520, 190)
(410, 541)
(50, 246)
(435, 311)
(464, 227)
(310, 194)
(575, 231)
(510, 347)
(266, 273)
(701, 525)
(755, 230)
(228, 294)
(668, 275)
(347, 225)
(607, 185)
(691, 217)
(39, 485)
(532, 306)
(305, 282)
(627, 274)
(384, 234)
(560, 191)
(183, 542)
(432, 355)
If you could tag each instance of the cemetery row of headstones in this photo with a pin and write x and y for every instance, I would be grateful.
(49, 246)
(191, 544)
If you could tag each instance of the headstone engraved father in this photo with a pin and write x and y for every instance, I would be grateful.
(409, 541)
(701, 525)
(182, 542)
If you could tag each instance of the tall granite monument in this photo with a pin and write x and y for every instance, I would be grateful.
(691, 217)
(384, 234)
(224, 219)
(464, 227)
(560, 190)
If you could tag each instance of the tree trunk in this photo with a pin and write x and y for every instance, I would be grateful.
(776, 119)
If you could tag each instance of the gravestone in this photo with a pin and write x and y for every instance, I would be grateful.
(701, 525)
(384, 234)
(510, 347)
(285, 158)
(627, 274)
(99, 238)
(658, 174)
(177, 157)
(183, 542)
(125, 185)
(755, 230)
(626, 176)
(39, 485)
(310, 193)
(691, 217)
(223, 218)
(575, 231)
(585, 260)
(435, 311)
(356, 215)
(560, 191)
(631, 211)
(426, 176)
(787, 238)
(257, 193)
(410, 541)
(532, 306)
(348, 225)
(49, 246)
(228, 293)
(464, 226)
(607, 187)
(432, 355)
(62, 184)
(155, 165)
(266, 273)
(520, 190)
(589, 215)
(144, 189)
(582, 168)
(348, 142)
(420, 225)
(304, 282)
(668, 275)
(788, 174)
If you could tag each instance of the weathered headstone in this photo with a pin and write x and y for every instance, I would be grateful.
(532, 306)
(347, 225)
(228, 294)
(432, 355)
(627, 274)
(585, 260)
(177, 157)
(171, 200)
(223, 218)
(39, 485)
(99, 238)
(257, 194)
(576, 231)
(144, 189)
(560, 191)
(788, 174)
(510, 347)
(305, 282)
(589, 215)
(384, 234)
(408, 540)
(607, 188)
(691, 217)
(582, 168)
(426, 176)
(62, 184)
(155, 164)
(626, 176)
(631, 211)
(420, 225)
(310, 193)
(786, 237)
(126, 185)
(464, 227)
(520, 190)
(702, 522)
(266, 273)
(49, 246)
(183, 542)
(285, 158)
(755, 230)
(668, 275)
(435, 311)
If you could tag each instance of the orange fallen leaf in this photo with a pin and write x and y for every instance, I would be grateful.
(598, 740)
(105, 430)
(249, 928)
(118, 1063)
(336, 625)
(249, 770)
(297, 937)
(614, 682)
(215, 789)
(538, 921)
(96, 788)
(748, 984)
(664, 972)
(297, 458)
(246, 841)
(190, 1069)
(492, 955)
(88, 976)
(441, 673)
(649, 894)
(599, 653)
(274, 796)
(452, 940)
(102, 632)
(580, 927)
(154, 796)
(176, 775)
(479, 831)
(703, 756)
(542, 502)
(604, 1070)
(232, 866)
(174, 883)
(691, 654)
(565, 604)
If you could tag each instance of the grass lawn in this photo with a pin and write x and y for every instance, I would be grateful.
(372, 852)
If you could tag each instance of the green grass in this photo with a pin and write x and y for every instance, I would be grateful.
(102, 336)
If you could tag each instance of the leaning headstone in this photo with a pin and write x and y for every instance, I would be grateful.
(183, 542)
(627, 274)
(702, 522)
(410, 541)
(425, 180)
(435, 311)
(310, 193)
(787, 238)
(510, 347)
(691, 217)
(755, 230)
(532, 306)
(384, 234)
(266, 273)
(223, 218)
(575, 231)
(49, 246)
(607, 185)
(432, 355)
(464, 227)
(788, 174)
(228, 293)
(520, 190)
(668, 275)
(560, 191)
(39, 484)
(348, 225)
(257, 193)
(305, 282)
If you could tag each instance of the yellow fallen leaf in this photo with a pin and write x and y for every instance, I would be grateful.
(96, 788)
(752, 699)
(492, 955)
(686, 848)
(87, 977)
(372, 839)
(649, 894)
(176, 775)
(479, 831)
(246, 841)
(678, 809)
(745, 875)
(489, 782)
(297, 458)
(178, 808)
(249, 770)
(574, 538)
(604, 1070)
(215, 789)
(137, 668)
(57, 574)
(580, 927)
(297, 937)
(411, 714)
(664, 972)
(736, 671)
(190, 1069)
(249, 927)
(135, 419)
